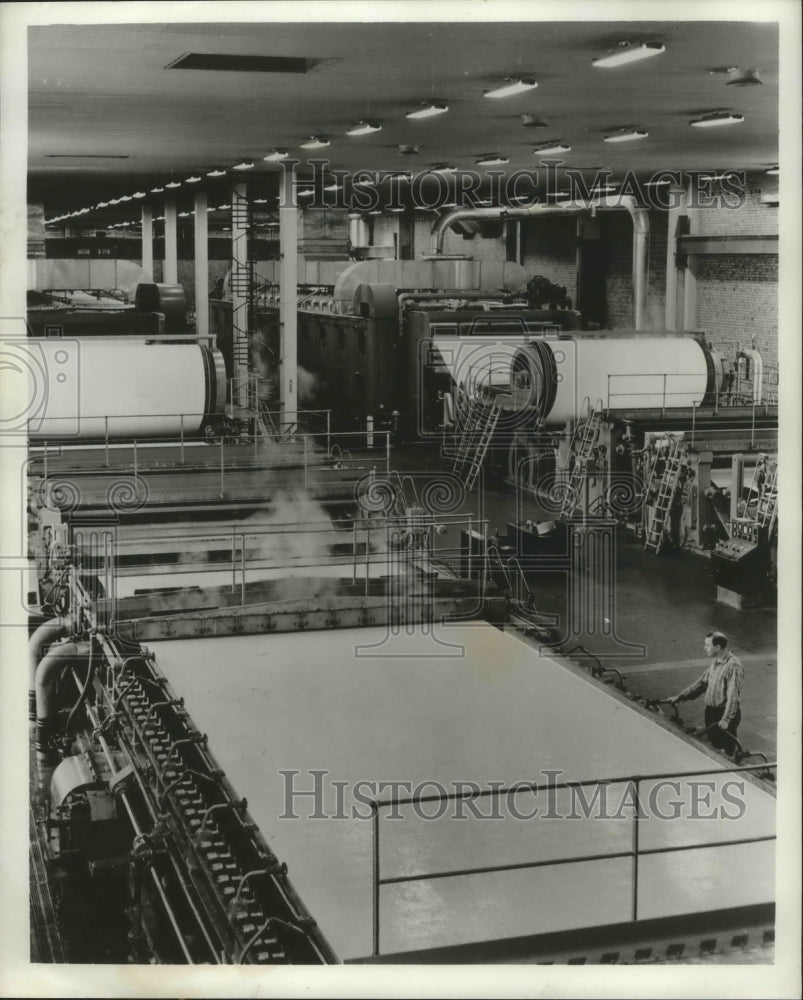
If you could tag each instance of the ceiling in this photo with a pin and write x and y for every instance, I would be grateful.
(107, 117)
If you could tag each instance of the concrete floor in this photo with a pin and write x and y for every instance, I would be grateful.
(665, 604)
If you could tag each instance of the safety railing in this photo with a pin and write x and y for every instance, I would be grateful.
(635, 852)
(233, 451)
(370, 548)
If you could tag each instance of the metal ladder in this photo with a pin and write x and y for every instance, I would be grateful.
(478, 429)
(667, 488)
(582, 448)
(767, 507)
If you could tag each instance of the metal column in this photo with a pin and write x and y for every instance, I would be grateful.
(171, 244)
(201, 265)
(288, 296)
(678, 200)
(240, 290)
(147, 240)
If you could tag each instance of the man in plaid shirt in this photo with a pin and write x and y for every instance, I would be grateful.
(722, 683)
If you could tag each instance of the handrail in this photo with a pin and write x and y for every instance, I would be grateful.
(635, 853)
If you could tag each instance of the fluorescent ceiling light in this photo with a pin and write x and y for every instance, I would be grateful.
(491, 160)
(275, 155)
(105, 204)
(442, 168)
(224, 207)
(183, 215)
(332, 187)
(139, 194)
(510, 88)
(627, 53)
(305, 193)
(158, 218)
(112, 201)
(364, 128)
(125, 197)
(772, 172)
(156, 190)
(315, 142)
(243, 165)
(173, 184)
(716, 177)
(658, 183)
(403, 175)
(530, 121)
(428, 109)
(260, 201)
(743, 77)
(626, 135)
(717, 118)
(395, 208)
(192, 180)
(551, 147)
(216, 173)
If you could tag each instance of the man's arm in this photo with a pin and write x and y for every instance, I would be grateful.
(734, 695)
(693, 690)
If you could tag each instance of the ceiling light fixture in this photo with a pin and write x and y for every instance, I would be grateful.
(214, 173)
(393, 175)
(139, 194)
(105, 204)
(275, 155)
(243, 165)
(395, 208)
(627, 135)
(442, 168)
(315, 142)
(173, 184)
(628, 53)
(260, 201)
(772, 172)
(112, 201)
(332, 187)
(183, 215)
(551, 147)
(192, 180)
(224, 207)
(156, 190)
(716, 118)
(428, 109)
(364, 128)
(125, 197)
(158, 218)
(743, 77)
(491, 160)
(305, 193)
(530, 121)
(511, 87)
(407, 150)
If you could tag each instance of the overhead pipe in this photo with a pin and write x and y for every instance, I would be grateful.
(641, 234)
(47, 633)
(758, 372)
(57, 659)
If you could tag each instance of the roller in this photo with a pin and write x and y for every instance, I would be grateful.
(560, 378)
(124, 388)
(169, 300)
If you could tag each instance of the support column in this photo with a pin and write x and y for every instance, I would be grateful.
(288, 296)
(689, 273)
(171, 244)
(201, 265)
(240, 283)
(678, 200)
(737, 481)
(147, 240)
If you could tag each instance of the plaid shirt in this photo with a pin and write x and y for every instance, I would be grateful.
(722, 683)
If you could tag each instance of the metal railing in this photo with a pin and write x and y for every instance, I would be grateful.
(634, 853)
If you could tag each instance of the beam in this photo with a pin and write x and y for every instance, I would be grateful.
(171, 244)
(201, 265)
(288, 296)
(732, 244)
(147, 240)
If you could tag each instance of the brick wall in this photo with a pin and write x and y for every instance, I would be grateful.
(737, 294)
(617, 231)
(549, 247)
(737, 302)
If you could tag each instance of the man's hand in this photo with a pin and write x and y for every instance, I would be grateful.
(723, 723)
(673, 700)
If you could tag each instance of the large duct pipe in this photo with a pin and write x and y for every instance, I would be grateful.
(50, 668)
(45, 634)
(641, 234)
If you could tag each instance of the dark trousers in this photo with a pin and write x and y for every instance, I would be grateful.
(717, 736)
